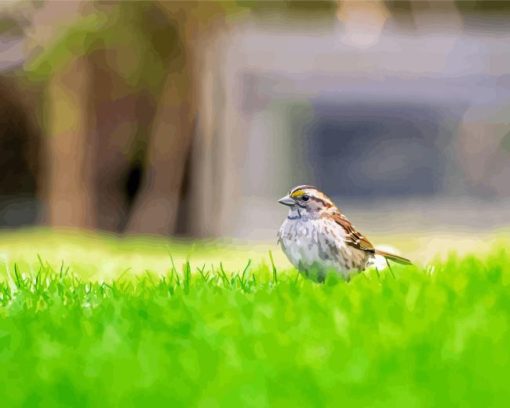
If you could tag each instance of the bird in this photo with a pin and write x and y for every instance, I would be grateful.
(318, 238)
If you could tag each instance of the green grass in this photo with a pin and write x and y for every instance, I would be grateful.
(248, 335)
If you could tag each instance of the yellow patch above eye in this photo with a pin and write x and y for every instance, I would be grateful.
(297, 193)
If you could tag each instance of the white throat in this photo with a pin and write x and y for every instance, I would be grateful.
(298, 213)
(295, 213)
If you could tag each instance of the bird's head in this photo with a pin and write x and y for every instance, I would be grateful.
(306, 201)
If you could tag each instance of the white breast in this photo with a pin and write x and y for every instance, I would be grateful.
(312, 243)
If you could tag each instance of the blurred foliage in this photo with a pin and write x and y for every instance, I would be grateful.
(505, 142)
(148, 30)
(9, 26)
(292, 8)
(74, 41)
(151, 36)
(483, 6)
(141, 38)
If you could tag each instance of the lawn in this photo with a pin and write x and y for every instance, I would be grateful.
(95, 321)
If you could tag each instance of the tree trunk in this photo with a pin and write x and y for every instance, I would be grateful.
(157, 205)
(70, 148)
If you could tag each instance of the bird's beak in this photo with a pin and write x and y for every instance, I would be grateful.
(287, 200)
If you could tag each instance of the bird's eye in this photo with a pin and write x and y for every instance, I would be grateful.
(306, 197)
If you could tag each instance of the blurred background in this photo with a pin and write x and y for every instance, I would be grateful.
(192, 118)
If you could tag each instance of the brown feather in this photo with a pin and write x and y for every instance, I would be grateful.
(353, 237)
(357, 240)
(394, 258)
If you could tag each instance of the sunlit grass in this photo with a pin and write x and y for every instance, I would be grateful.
(106, 257)
(206, 334)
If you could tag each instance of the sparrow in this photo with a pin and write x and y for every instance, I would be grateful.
(318, 239)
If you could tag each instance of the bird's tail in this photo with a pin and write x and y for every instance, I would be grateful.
(394, 258)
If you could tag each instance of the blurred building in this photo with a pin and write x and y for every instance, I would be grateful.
(399, 110)
(405, 126)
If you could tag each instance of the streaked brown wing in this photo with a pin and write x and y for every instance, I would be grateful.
(353, 237)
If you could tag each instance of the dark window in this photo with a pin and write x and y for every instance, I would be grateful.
(379, 150)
